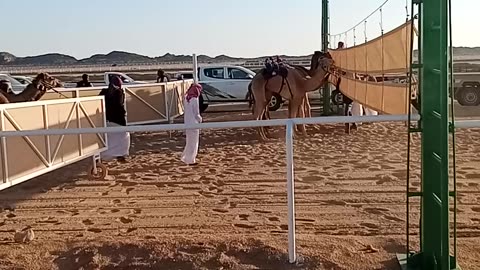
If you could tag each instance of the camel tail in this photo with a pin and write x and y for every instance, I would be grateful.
(250, 97)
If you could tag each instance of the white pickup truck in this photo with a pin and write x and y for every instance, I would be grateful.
(224, 84)
(126, 80)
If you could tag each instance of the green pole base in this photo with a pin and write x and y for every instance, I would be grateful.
(415, 261)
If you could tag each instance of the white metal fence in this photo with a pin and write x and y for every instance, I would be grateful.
(289, 123)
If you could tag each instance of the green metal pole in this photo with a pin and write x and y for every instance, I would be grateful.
(435, 140)
(325, 32)
(434, 93)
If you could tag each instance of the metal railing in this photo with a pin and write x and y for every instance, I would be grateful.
(289, 123)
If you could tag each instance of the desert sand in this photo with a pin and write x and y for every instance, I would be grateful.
(229, 212)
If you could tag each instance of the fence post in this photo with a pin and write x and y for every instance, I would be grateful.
(292, 253)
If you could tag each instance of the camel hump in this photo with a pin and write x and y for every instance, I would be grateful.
(274, 68)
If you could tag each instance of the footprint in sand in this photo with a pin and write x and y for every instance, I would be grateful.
(262, 211)
(223, 211)
(476, 209)
(376, 211)
(392, 218)
(306, 220)
(128, 190)
(311, 178)
(243, 217)
(473, 176)
(334, 202)
(115, 210)
(369, 225)
(129, 230)
(11, 215)
(244, 226)
(95, 230)
(232, 205)
(137, 211)
(87, 222)
(125, 220)
(283, 227)
(116, 201)
(219, 183)
(256, 173)
(274, 219)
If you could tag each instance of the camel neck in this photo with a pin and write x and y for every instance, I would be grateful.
(316, 81)
(31, 92)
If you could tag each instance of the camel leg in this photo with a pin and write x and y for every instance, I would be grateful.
(258, 90)
(301, 114)
(293, 107)
(307, 107)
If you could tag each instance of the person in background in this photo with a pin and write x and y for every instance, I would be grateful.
(85, 82)
(192, 116)
(161, 76)
(341, 45)
(119, 142)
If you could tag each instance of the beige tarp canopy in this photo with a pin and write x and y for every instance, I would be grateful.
(387, 54)
(387, 98)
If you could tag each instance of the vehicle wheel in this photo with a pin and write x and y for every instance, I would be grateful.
(337, 97)
(275, 103)
(202, 104)
(102, 172)
(469, 96)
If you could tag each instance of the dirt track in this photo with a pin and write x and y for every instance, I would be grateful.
(230, 211)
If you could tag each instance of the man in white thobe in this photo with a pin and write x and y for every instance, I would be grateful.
(192, 116)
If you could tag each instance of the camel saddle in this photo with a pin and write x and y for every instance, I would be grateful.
(273, 68)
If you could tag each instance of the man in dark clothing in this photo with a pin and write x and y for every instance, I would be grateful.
(115, 102)
(84, 82)
(119, 142)
(161, 76)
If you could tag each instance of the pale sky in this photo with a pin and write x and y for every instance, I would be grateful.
(245, 28)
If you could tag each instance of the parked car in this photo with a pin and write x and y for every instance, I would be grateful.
(225, 84)
(126, 80)
(467, 88)
(23, 79)
(17, 87)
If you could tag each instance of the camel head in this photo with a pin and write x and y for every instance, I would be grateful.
(322, 60)
(45, 82)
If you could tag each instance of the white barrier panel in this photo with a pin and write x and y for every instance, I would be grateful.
(146, 103)
(23, 158)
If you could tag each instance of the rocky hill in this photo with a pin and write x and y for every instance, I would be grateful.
(115, 57)
(119, 57)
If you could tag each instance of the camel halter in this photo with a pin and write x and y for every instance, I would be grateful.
(48, 86)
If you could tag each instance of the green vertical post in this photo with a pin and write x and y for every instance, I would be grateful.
(434, 111)
(434, 62)
(325, 33)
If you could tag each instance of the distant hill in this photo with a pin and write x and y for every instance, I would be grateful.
(115, 57)
(119, 57)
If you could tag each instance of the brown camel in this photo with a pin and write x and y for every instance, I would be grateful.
(34, 91)
(305, 72)
(293, 86)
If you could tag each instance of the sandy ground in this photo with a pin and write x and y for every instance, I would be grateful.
(229, 212)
